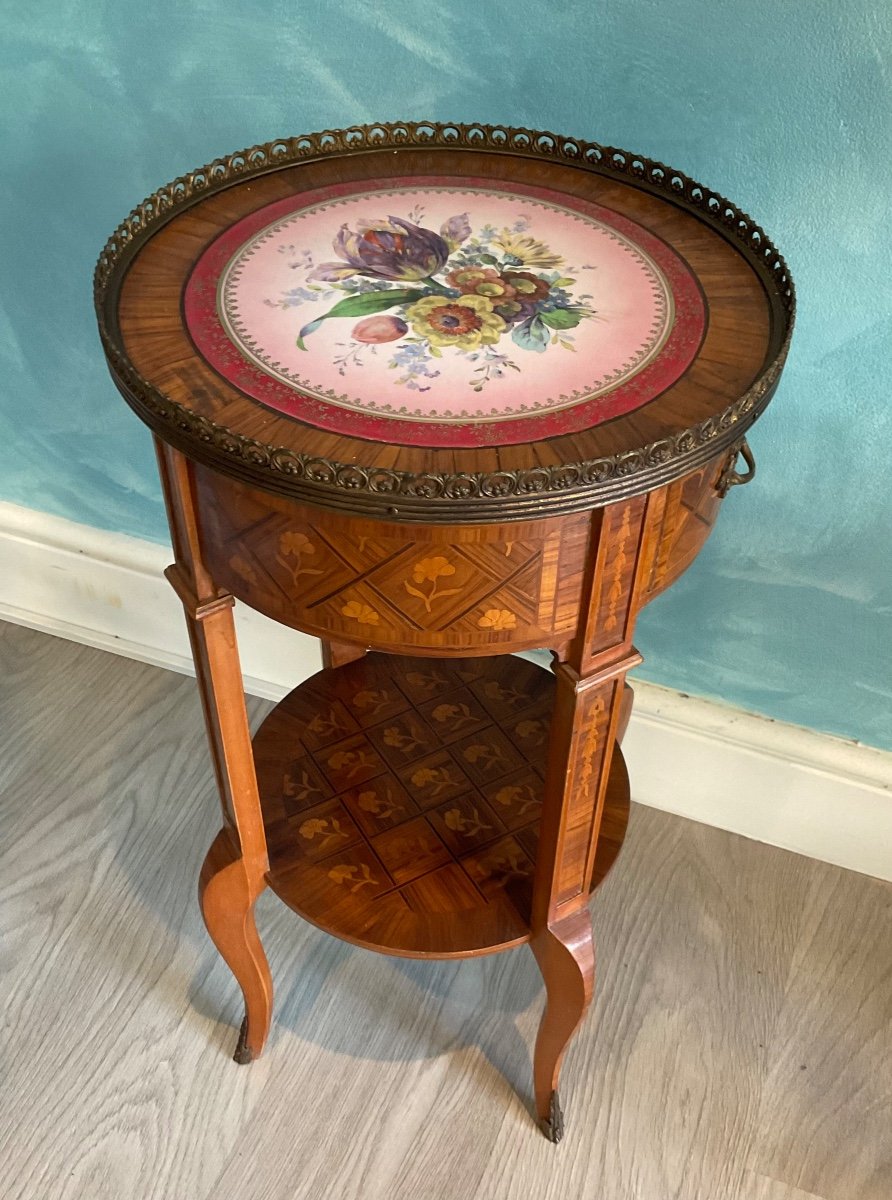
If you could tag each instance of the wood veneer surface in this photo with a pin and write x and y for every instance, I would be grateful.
(402, 800)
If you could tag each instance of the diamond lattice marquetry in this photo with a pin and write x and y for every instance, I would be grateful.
(439, 587)
(399, 792)
(389, 585)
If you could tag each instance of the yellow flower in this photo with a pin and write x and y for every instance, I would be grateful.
(360, 612)
(432, 569)
(466, 321)
(527, 251)
(498, 618)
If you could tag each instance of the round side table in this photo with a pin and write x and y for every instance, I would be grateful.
(436, 394)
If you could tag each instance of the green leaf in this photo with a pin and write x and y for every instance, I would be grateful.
(366, 303)
(561, 318)
(531, 334)
(563, 281)
(363, 304)
(307, 329)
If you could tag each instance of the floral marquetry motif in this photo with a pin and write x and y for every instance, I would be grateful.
(468, 824)
(374, 703)
(618, 570)
(303, 784)
(381, 808)
(584, 769)
(430, 571)
(488, 757)
(436, 778)
(358, 875)
(294, 549)
(498, 619)
(362, 614)
(517, 801)
(503, 865)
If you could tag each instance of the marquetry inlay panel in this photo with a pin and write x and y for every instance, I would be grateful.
(399, 793)
(396, 584)
(688, 512)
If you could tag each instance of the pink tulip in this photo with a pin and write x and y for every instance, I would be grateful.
(379, 329)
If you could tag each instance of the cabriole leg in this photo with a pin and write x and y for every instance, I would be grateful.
(566, 957)
(227, 894)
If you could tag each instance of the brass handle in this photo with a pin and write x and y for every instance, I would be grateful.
(730, 476)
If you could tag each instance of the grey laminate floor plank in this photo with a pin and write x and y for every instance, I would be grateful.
(722, 965)
(826, 1118)
(98, 1095)
(664, 1082)
(760, 1187)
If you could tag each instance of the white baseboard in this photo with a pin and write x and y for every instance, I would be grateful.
(817, 795)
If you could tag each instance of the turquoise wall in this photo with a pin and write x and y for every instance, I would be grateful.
(784, 107)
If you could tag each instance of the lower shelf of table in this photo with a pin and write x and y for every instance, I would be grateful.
(402, 796)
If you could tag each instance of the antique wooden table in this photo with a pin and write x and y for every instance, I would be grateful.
(436, 394)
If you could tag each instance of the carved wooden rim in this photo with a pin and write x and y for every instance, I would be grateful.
(434, 496)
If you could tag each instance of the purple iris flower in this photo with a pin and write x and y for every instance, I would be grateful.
(393, 249)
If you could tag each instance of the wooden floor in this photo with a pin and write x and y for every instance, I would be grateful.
(740, 1047)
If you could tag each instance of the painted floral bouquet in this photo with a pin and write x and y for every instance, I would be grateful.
(434, 291)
